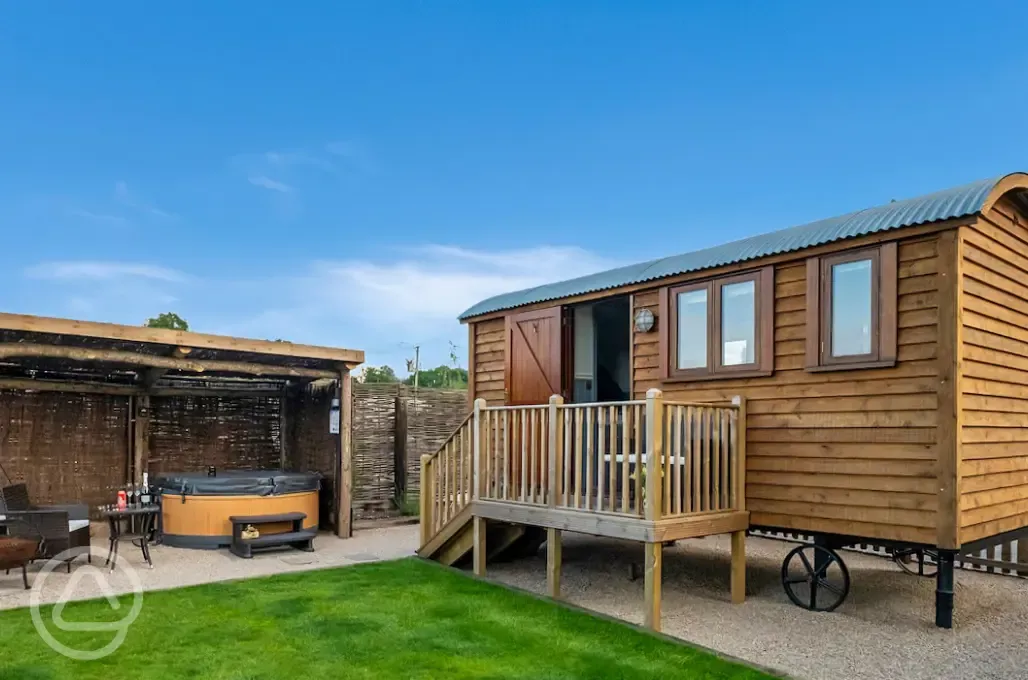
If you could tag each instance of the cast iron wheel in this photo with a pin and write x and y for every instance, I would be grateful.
(815, 578)
(918, 561)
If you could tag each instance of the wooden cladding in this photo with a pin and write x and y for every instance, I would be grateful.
(992, 477)
(847, 451)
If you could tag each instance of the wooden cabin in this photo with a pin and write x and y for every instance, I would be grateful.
(880, 358)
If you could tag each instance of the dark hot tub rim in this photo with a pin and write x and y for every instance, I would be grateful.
(236, 483)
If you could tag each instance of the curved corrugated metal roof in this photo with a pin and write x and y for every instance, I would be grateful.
(943, 205)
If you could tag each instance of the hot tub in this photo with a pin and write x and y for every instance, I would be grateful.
(195, 507)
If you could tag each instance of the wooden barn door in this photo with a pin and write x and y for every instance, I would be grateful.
(535, 362)
(534, 356)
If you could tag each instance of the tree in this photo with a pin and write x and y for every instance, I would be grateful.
(380, 374)
(449, 377)
(169, 320)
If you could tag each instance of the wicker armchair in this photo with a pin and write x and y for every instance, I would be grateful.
(61, 527)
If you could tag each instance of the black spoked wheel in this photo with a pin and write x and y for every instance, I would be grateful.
(815, 578)
(917, 561)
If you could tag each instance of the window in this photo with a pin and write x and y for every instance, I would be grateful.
(719, 328)
(851, 309)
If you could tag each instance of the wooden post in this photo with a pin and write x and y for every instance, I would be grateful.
(654, 558)
(654, 453)
(400, 449)
(344, 480)
(553, 558)
(141, 439)
(554, 448)
(425, 499)
(738, 567)
(479, 549)
(283, 430)
(740, 453)
(477, 453)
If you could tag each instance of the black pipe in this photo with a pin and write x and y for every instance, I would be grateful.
(944, 590)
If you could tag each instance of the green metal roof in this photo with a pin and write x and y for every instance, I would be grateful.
(943, 205)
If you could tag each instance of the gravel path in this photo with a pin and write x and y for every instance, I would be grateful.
(884, 630)
(176, 567)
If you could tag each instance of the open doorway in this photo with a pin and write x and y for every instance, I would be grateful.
(602, 351)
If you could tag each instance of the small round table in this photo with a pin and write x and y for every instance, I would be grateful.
(135, 524)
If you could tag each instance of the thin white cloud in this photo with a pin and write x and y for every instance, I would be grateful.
(102, 271)
(100, 218)
(125, 197)
(272, 185)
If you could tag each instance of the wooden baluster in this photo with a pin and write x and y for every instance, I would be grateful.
(579, 435)
(612, 419)
(726, 457)
(507, 457)
(687, 465)
(715, 419)
(567, 443)
(667, 462)
(524, 456)
(626, 442)
(590, 453)
(639, 465)
(697, 458)
(705, 460)
(601, 452)
(677, 441)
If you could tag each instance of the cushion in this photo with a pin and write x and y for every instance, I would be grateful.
(76, 524)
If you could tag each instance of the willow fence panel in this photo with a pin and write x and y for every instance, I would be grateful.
(393, 426)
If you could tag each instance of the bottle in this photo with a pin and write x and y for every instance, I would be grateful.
(122, 499)
(146, 489)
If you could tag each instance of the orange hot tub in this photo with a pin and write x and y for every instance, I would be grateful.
(195, 508)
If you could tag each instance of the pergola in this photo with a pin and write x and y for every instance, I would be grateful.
(86, 407)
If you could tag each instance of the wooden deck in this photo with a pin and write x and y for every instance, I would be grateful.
(649, 471)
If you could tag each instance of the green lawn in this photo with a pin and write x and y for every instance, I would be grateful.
(405, 619)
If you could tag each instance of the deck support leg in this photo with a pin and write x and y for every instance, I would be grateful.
(478, 549)
(553, 557)
(653, 565)
(738, 567)
(944, 590)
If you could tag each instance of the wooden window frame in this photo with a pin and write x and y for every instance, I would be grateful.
(884, 297)
(763, 352)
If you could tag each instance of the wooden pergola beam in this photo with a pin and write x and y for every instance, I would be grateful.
(80, 387)
(163, 336)
(17, 350)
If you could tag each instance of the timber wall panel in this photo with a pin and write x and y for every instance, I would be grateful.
(489, 349)
(850, 452)
(68, 448)
(994, 465)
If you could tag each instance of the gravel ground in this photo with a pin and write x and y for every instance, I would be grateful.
(176, 567)
(884, 630)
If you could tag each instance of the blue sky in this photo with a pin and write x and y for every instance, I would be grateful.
(356, 174)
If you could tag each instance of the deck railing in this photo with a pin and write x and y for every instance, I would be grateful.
(644, 458)
(447, 479)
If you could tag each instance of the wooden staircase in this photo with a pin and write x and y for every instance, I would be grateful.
(447, 533)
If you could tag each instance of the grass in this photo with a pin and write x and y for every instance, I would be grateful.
(403, 619)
